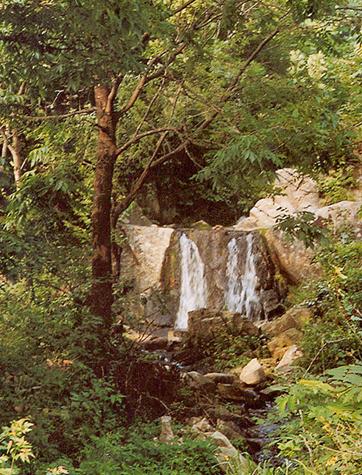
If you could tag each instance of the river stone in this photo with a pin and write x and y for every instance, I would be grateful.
(229, 428)
(243, 326)
(198, 381)
(167, 434)
(237, 392)
(295, 317)
(224, 378)
(226, 453)
(159, 343)
(253, 373)
(208, 324)
(230, 392)
(221, 440)
(201, 424)
(290, 356)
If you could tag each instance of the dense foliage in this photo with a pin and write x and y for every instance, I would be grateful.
(204, 99)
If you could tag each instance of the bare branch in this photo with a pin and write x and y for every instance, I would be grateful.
(153, 100)
(148, 78)
(118, 210)
(139, 137)
(185, 5)
(113, 94)
(226, 96)
(138, 183)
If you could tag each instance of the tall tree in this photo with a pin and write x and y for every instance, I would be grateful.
(101, 59)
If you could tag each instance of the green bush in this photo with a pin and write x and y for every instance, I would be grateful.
(140, 453)
(47, 376)
(320, 423)
(336, 185)
(334, 336)
(15, 450)
(227, 350)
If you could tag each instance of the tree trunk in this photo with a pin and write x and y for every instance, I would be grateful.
(101, 298)
(17, 161)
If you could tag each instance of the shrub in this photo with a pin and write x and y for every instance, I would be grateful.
(334, 187)
(41, 353)
(334, 336)
(227, 350)
(321, 423)
(141, 454)
(14, 448)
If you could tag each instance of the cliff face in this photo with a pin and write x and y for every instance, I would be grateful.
(173, 271)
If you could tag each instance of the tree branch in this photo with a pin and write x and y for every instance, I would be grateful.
(153, 100)
(188, 141)
(226, 96)
(148, 78)
(118, 210)
(31, 118)
(113, 94)
(139, 137)
(185, 5)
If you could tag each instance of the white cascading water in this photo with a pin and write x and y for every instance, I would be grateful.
(193, 292)
(241, 292)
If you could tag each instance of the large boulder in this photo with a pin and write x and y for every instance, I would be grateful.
(207, 324)
(344, 212)
(229, 428)
(290, 356)
(300, 190)
(295, 317)
(238, 392)
(280, 343)
(253, 373)
(295, 193)
(196, 380)
(223, 378)
(292, 258)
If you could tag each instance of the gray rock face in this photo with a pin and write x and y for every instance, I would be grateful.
(152, 266)
(297, 193)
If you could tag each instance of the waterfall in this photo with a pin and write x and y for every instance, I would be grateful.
(193, 292)
(241, 294)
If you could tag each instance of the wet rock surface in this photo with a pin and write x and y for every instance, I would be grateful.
(236, 269)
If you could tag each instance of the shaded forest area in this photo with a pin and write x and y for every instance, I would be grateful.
(181, 111)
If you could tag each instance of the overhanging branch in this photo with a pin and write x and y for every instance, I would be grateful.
(139, 137)
(230, 90)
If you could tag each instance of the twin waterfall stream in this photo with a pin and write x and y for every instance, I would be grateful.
(240, 293)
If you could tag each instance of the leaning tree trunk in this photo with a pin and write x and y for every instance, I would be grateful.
(101, 298)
